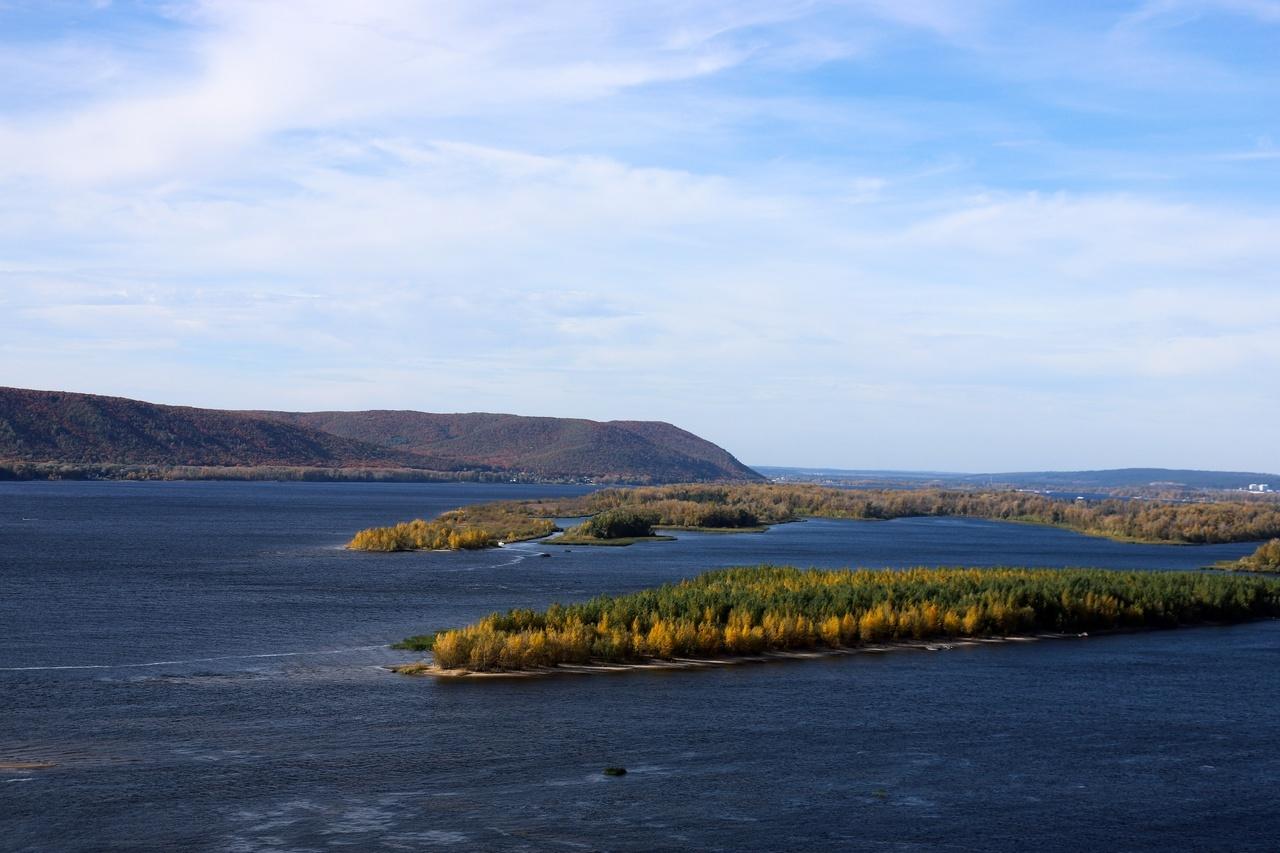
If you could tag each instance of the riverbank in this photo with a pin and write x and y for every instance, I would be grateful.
(1265, 560)
(593, 541)
(602, 668)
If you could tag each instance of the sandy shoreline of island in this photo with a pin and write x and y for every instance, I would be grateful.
(424, 668)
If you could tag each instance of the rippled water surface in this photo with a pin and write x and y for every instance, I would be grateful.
(202, 664)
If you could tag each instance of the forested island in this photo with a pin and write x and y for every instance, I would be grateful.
(1265, 559)
(750, 611)
(621, 526)
(742, 507)
(477, 526)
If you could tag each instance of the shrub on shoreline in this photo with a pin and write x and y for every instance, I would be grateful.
(1265, 559)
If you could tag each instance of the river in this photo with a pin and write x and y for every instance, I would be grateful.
(202, 663)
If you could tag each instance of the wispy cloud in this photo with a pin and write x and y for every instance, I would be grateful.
(253, 70)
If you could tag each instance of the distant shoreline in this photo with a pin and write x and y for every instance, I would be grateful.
(621, 513)
(55, 471)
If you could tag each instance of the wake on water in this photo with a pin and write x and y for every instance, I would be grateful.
(517, 558)
(192, 660)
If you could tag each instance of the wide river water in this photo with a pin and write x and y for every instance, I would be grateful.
(202, 663)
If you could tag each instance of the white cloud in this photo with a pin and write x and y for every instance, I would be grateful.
(586, 261)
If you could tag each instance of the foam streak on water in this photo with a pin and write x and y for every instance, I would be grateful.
(188, 660)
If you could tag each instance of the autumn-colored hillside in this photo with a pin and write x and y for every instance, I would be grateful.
(71, 429)
(54, 426)
(626, 451)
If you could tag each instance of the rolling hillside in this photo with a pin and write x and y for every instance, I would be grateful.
(632, 451)
(62, 428)
(53, 426)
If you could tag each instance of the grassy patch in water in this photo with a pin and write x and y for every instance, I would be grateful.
(416, 643)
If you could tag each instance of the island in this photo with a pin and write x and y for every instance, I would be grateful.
(741, 507)
(1265, 559)
(740, 613)
(622, 526)
(477, 526)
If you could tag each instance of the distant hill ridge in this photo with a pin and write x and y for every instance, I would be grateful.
(1121, 477)
(1110, 478)
(551, 447)
(56, 427)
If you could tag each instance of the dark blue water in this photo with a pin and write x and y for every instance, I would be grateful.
(202, 663)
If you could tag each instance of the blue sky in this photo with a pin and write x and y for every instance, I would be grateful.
(974, 235)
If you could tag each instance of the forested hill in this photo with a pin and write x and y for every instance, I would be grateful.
(628, 451)
(52, 428)
(87, 429)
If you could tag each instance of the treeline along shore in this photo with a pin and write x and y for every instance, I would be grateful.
(1265, 559)
(253, 473)
(476, 526)
(749, 611)
(751, 506)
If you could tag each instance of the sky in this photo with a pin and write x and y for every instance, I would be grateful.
(914, 234)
